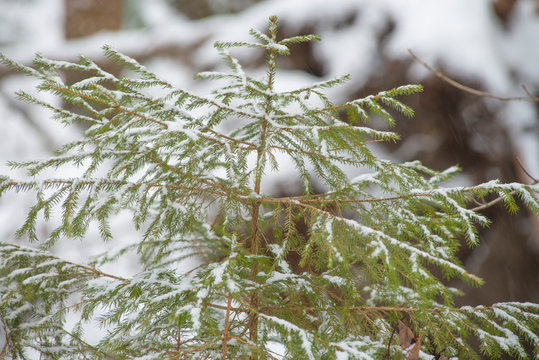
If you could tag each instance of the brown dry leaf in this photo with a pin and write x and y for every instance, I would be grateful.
(405, 335)
(443, 357)
(414, 352)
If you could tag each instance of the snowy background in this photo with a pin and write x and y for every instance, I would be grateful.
(479, 43)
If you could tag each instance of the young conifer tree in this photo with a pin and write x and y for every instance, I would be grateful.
(364, 287)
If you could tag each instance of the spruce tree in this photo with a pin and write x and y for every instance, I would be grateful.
(375, 251)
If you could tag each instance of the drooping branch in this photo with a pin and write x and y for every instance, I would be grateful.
(57, 182)
(17, 248)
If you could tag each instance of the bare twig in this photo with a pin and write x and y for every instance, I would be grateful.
(389, 343)
(225, 332)
(179, 339)
(490, 203)
(470, 90)
(498, 199)
(535, 180)
(5, 348)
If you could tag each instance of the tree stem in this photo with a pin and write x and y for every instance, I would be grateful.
(225, 333)
(255, 211)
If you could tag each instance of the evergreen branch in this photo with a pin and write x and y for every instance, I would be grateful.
(132, 64)
(296, 200)
(88, 346)
(59, 112)
(353, 129)
(20, 68)
(250, 145)
(7, 339)
(23, 185)
(116, 105)
(294, 328)
(493, 202)
(369, 232)
(254, 347)
(94, 271)
(375, 309)
(10, 248)
(371, 101)
(194, 349)
(363, 144)
(330, 281)
(224, 189)
(235, 111)
(322, 158)
(318, 85)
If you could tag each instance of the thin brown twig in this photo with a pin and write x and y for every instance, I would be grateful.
(526, 91)
(80, 266)
(470, 90)
(5, 348)
(491, 203)
(179, 339)
(479, 203)
(88, 346)
(194, 349)
(389, 342)
(14, 345)
(95, 271)
(225, 332)
(210, 183)
(535, 181)
(499, 199)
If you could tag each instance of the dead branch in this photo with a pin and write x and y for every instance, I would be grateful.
(470, 90)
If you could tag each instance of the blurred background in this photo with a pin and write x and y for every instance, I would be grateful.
(490, 45)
